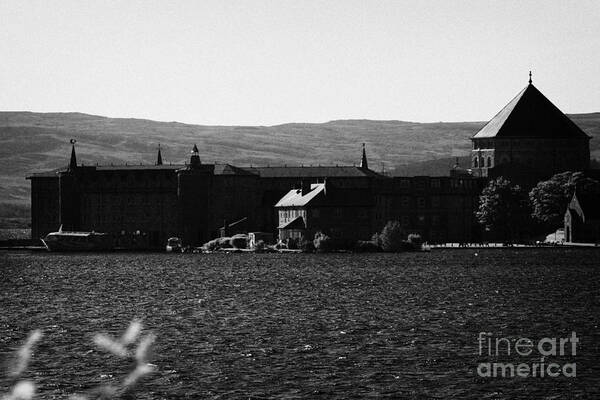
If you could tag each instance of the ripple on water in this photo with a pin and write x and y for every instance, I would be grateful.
(267, 326)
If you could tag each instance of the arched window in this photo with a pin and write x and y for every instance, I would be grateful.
(475, 163)
(489, 162)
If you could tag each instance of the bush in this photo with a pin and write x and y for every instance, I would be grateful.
(392, 236)
(307, 246)
(322, 242)
(260, 245)
(376, 239)
(415, 239)
(366, 246)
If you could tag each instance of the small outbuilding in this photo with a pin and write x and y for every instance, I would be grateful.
(582, 219)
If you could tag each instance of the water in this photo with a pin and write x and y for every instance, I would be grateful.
(289, 326)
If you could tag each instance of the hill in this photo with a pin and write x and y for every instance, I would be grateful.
(31, 142)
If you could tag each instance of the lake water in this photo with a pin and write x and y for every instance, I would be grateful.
(313, 326)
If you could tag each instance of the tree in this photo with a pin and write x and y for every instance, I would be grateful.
(549, 199)
(503, 209)
(392, 237)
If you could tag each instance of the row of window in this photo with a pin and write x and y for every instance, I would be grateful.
(420, 183)
(419, 220)
(480, 162)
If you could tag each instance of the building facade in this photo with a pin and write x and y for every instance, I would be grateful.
(143, 205)
(529, 140)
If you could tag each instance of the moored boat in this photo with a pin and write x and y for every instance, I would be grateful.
(77, 241)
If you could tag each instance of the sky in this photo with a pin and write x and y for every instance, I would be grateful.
(271, 62)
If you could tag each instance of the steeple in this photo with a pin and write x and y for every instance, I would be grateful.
(159, 157)
(195, 158)
(73, 161)
(363, 162)
(530, 81)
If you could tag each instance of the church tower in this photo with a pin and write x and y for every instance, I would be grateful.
(194, 191)
(69, 213)
(529, 140)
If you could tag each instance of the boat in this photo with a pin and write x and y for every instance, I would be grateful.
(77, 241)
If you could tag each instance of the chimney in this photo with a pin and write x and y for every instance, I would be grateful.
(305, 187)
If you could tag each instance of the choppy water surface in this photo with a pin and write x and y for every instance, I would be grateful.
(262, 326)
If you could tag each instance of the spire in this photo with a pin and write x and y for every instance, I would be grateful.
(73, 161)
(530, 81)
(363, 162)
(195, 158)
(159, 157)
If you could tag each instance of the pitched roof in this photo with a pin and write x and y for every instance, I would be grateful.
(319, 195)
(228, 169)
(313, 172)
(589, 205)
(295, 198)
(530, 115)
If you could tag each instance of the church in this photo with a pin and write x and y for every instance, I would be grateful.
(143, 205)
(529, 140)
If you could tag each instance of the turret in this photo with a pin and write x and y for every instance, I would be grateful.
(195, 158)
(363, 162)
(69, 194)
(159, 157)
(73, 161)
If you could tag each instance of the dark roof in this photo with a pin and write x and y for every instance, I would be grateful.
(313, 172)
(137, 167)
(46, 174)
(228, 169)
(530, 115)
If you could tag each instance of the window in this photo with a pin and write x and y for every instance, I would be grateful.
(435, 183)
(435, 201)
(475, 163)
(489, 162)
(421, 202)
(405, 201)
(404, 183)
(405, 220)
(435, 220)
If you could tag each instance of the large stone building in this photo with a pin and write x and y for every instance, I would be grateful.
(143, 205)
(529, 140)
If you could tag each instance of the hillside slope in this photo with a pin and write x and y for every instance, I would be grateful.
(31, 142)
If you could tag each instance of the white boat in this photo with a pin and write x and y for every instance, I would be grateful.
(77, 241)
